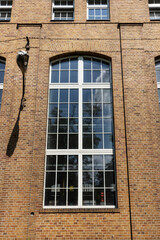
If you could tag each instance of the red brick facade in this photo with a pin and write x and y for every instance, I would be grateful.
(132, 42)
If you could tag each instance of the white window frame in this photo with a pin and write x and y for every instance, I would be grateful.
(100, 6)
(80, 151)
(154, 7)
(62, 8)
(6, 9)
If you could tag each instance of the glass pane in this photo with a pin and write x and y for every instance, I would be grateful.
(72, 180)
(73, 162)
(53, 95)
(105, 76)
(107, 96)
(97, 95)
(61, 179)
(87, 141)
(62, 162)
(87, 110)
(98, 162)
(87, 63)
(87, 76)
(74, 63)
(86, 95)
(98, 141)
(55, 66)
(65, 64)
(49, 197)
(52, 141)
(72, 197)
(73, 110)
(51, 163)
(74, 95)
(87, 196)
(87, 179)
(97, 125)
(64, 76)
(63, 128)
(50, 179)
(108, 125)
(53, 108)
(63, 109)
(2, 66)
(1, 76)
(105, 66)
(97, 13)
(108, 141)
(52, 128)
(91, 12)
(73, 76)
(0, 95)
(97, 2)
(158, 76)
(99, 196)
(62, 141)
(87, 162)
(96, 76)
(97, 110)
(104, 12)
(55, 77)
(107, 110)
(109, 162)
(61, 197)
(63, 95)
(110, 197)
(73, 141)
(109, 179)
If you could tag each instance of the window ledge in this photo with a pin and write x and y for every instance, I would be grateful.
(80, 210)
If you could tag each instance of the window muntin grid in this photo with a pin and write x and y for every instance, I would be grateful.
(98, 10)
(2, 70)
(158, 79)
(5, 10)
(63, 10)
(154, 9)
(63, 93)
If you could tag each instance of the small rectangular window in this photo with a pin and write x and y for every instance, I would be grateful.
(154, 9)
(5, 10)
(63, 10)
(98, 10)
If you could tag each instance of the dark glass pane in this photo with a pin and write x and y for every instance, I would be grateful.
(110, 197)
(87, 110)
(97, 95)
(97, 110)
(109, 162)
(87, 162)
(72, 179)
(63, 128)
(49, 197)
(87, 63)
(87, 197)
(74, 95)
(87, 121)
(72, 197)
(1, 77)
(97, 125)
(53, 110)
(73, 110)
(53, 95)
(87, 179)
(62, 162)
(109, 179)
(107, 125)
(97, 2)
(98, 162)
(97, 63)
(96, 76)
(2, 66)
(104, 2)
(61, 179)
(90, 2)
(87, 76)
(51, 163)
(98, 179)
(63, 121)
(64, 76)
(55, 76)
(63, 110)
(52, 141)
(105, 76)
(61, 197)
(87, 141)
(55, 66)
(87, 128)
(50, 179)
(73, 141)
(74, 62)
(73, 162)
(108, 141)
(73, 76)
(63, 95)
(0, 95)
(52, 128)
(107, 96)
(98, 141)
(99, 196)
(73, 128)
(107, 110)
(62, 141)
(87, 95)
(65, 64)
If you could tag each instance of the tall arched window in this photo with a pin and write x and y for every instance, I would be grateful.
(158, 78)
(80, 167)
(2, 70)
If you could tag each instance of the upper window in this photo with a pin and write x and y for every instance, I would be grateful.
(80, 167)
(158, 79)
(98, 9)
(154, 9)
(5, 10)
(63, 10)
(2, 69)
